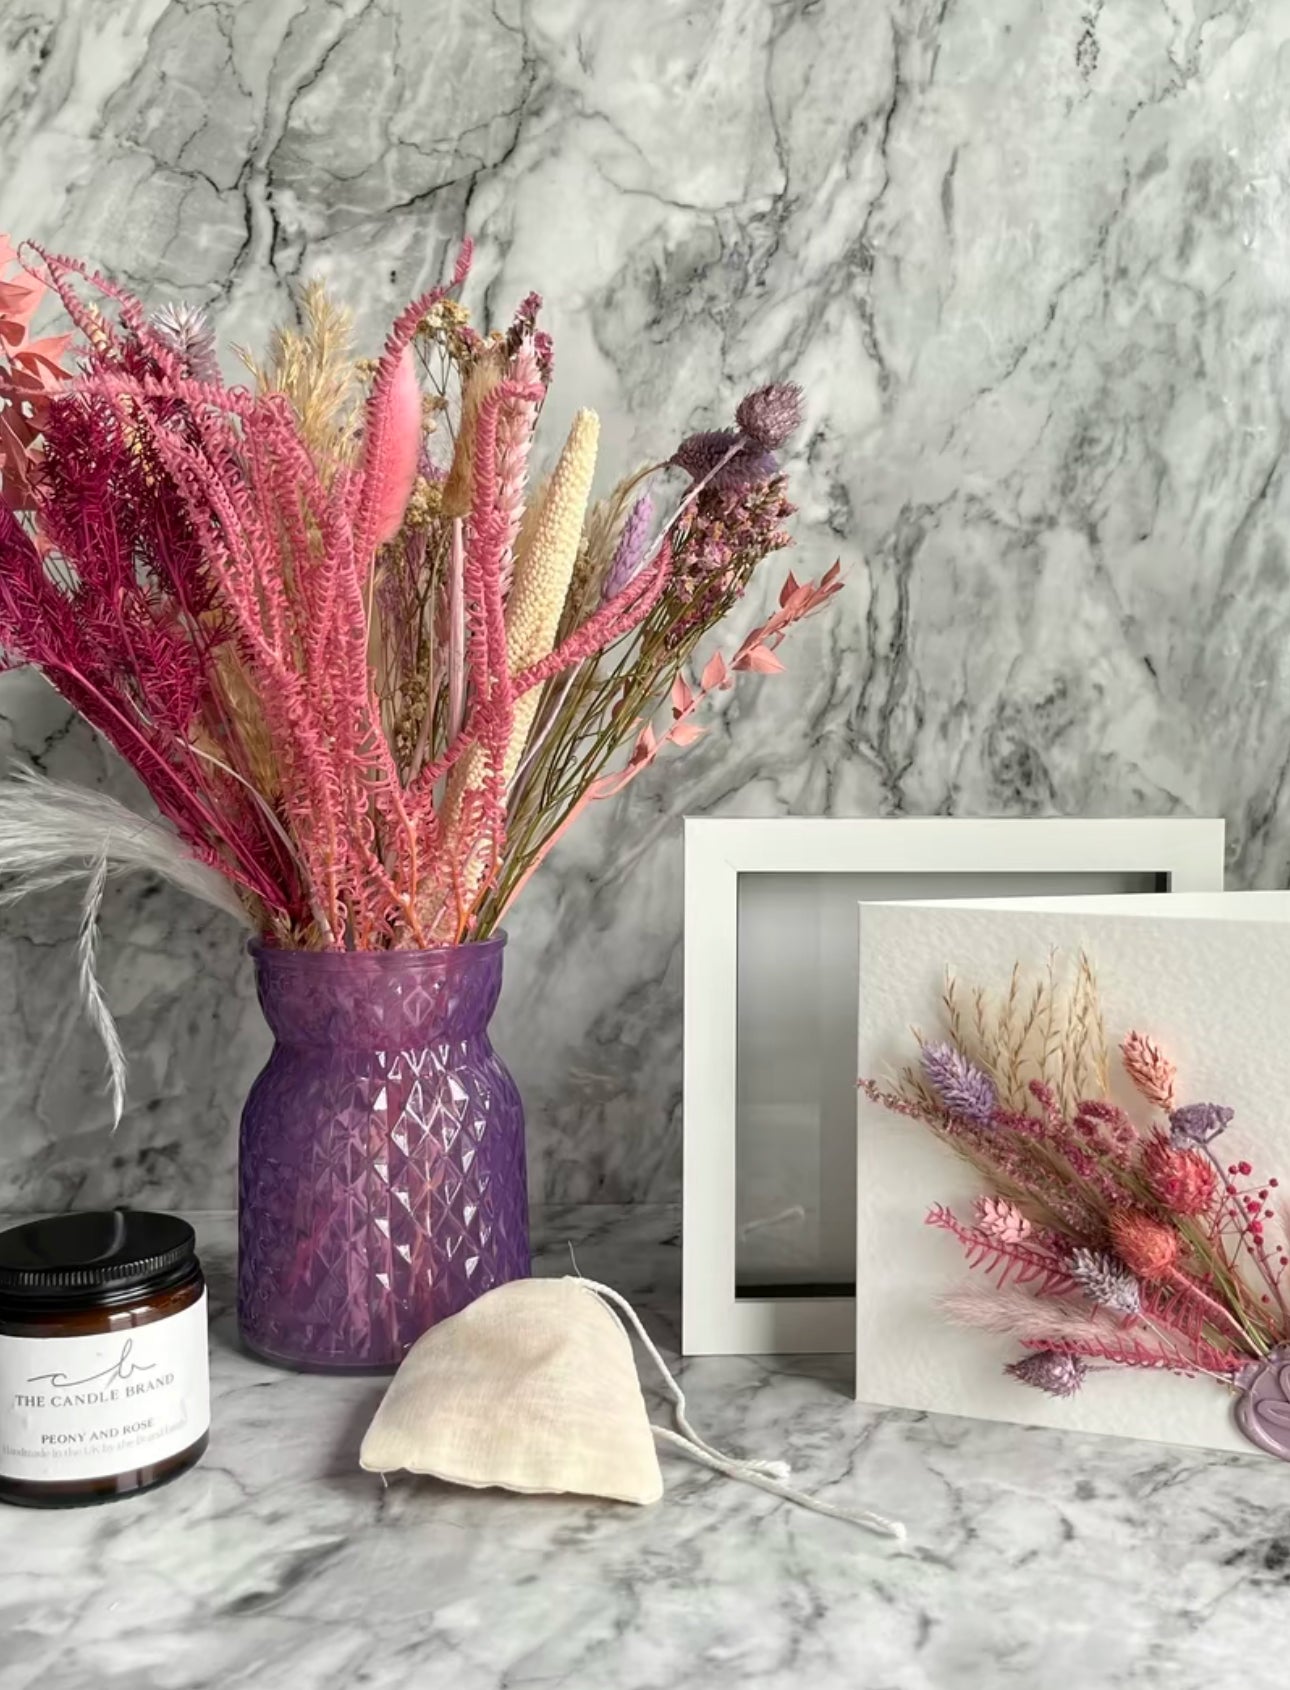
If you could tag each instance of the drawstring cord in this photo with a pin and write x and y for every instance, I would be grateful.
(765, 1475)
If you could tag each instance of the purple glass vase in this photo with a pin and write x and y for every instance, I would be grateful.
(381, 1175)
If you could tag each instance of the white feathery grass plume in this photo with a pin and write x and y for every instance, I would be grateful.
(92, 993)
(1017, 1314)
(52, 833)
(1036, 1322)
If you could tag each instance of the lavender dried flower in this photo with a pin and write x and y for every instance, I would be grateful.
(1105, 1280)
(1198, 1123)
(630, 550)
(962, 1087)
(771, 414)
(725, 538)
(708, 454)
(1049, 1370)
(186, 330)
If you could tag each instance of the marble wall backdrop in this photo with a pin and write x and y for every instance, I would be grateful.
(1030, 264)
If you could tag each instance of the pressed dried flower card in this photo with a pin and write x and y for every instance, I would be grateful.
(1093, 1120)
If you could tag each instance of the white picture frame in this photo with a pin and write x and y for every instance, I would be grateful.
(1183, 854)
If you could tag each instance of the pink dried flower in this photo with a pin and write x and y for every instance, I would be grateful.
(726, 536)
(1150, 1070)
(391, 467)
(1107, 1114)
(1001, 1220)
(771, 414)
(1181, 1180)
(1048, 1370)
(1148, 1247)
(1046, 1098)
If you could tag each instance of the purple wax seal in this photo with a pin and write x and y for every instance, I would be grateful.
(1263, 1411)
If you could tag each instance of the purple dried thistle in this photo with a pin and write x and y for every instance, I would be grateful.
(1104, 1279)
(963, 1088)
(771, 414)
(629, 553)
(709, 454)
(1198, 1123)
(1049, 1370)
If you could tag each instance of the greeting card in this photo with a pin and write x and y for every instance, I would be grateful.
(1074, 1143)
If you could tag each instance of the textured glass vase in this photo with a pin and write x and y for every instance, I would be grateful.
(381, 1175)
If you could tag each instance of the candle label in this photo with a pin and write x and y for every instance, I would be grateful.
(89, 1408)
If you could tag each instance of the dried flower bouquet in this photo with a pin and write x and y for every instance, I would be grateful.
(1107, 1238)
(368, 665)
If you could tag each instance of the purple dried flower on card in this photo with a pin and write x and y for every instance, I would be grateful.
(630, 550)
(1049, 1370)
(1198, 1123)
(731, 460)
(771, 414)
(963, 1088)
(1105, 1280)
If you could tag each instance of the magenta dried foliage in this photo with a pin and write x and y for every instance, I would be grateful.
(1123, 1347)
(205, 586)
(1025, 1263)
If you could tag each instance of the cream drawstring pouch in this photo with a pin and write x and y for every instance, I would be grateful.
(533, 1388)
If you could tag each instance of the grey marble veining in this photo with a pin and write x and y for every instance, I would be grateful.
(1034, 1559)
(1029, 263)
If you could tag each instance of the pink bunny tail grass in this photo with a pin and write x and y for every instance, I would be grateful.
(381, 404)
(393, 477)
(1068, 1329)
(1014, 1313)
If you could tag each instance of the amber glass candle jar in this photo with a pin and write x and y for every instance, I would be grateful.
(104, 1380)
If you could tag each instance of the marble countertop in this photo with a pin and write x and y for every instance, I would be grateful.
(1034, 1558)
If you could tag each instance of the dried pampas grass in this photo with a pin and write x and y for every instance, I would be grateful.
(314, 367)
(92, 993)
(1049, 1029)
(53, 834)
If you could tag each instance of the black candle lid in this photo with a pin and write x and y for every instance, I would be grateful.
(94, 1256)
